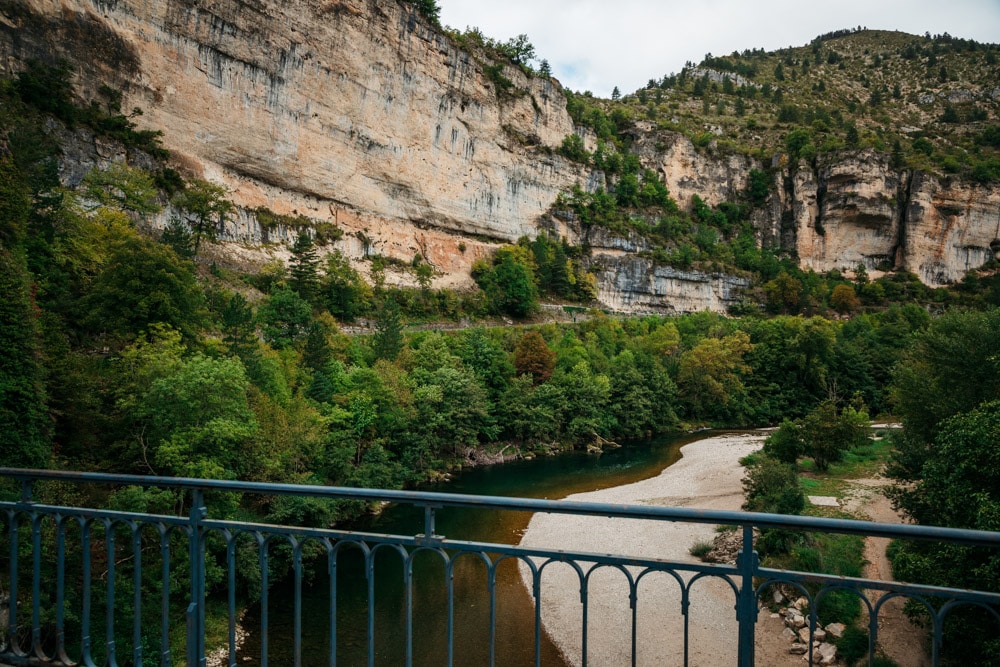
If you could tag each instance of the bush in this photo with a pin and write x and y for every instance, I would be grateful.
(853, 646)
(785, 444)
(772, 486)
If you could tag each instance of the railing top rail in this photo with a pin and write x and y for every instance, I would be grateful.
(440, 500)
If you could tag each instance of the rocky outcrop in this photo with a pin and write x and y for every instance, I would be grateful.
(631, 284)
(951, 227)
(854, 208)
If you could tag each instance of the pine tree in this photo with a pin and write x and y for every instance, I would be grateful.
(304, 267)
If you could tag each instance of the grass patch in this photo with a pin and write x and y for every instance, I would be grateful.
(701, 549)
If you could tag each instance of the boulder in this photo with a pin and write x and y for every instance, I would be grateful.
(826, 654)
(835, 630)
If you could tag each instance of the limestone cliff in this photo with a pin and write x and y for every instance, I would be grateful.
(854, 208)
(355, 112)
(361, 114)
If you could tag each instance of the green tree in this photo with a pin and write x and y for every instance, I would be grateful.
(24, 419)
(207, 207)
(123, 187)
(951, 368)
(142, 284)
(343, 291)
(709, 374)
(827, 434)
(284, 318)
(785, 444)
(958, 486)
(430, 10)
(199, 420)
(452, 411)
(177, 236)
(585, 395)
(487, 359)
(772, 486)
(509, 281)
(387, 342)
(304, 267)
(784, 293)
(239, 331)
(531, 414)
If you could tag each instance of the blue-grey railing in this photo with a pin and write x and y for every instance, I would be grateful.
(42, 639)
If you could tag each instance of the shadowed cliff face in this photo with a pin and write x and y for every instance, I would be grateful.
(855, 209)
(360, 114)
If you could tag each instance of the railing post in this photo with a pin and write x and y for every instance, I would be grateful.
(196, 610)
(746, 607)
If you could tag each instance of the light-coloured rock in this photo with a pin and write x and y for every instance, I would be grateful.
(789, 634)
(827, 654)
(627, 283)
(801, 603)
(819, 634)
(798, 649)
(803, 635)
(835, 630)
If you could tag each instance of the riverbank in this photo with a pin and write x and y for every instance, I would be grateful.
(708, 476)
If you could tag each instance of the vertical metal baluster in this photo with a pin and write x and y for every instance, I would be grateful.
(872, 634)
(370, 573)
(408, 588)
(264, 595)
(492, 583)
(537, 592)
(136, 594)
(109, 611)
(36, 586)
(746, 614)
(164, 596)
(196, 629)
(450, 574)
(297, 618)
(12, 609)
(685, 607)
(88, 658)
(61, 589)
(231, 568)
(633, 600)
(936, 638)
(331, 568)
(583, 637)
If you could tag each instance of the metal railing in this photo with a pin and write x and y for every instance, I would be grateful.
(66, 560)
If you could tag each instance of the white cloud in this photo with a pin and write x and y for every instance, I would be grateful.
(596, 45)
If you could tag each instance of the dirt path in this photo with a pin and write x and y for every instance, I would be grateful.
(898, 638)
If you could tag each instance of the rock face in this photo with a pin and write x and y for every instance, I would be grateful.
(855, 209)
(631, 284)
(361, 114)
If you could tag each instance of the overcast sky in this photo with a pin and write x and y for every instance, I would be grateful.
(598, 44)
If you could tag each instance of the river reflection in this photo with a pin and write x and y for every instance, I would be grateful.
(549, 477)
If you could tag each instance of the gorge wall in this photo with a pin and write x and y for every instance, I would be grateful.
(361, 114)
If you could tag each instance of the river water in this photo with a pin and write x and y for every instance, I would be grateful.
(548, 477)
